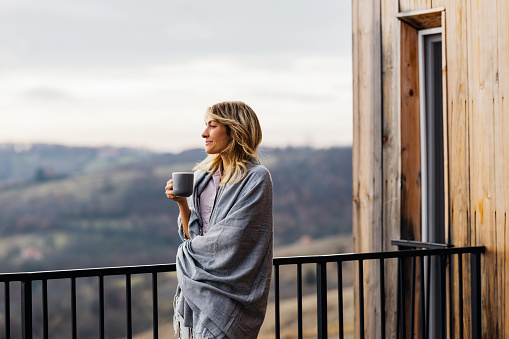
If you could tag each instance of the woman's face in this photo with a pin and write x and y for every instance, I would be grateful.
(216, 137)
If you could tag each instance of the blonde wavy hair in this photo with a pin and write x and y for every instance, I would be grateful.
(243, 126)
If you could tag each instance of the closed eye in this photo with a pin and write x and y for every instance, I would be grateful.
(212, 123)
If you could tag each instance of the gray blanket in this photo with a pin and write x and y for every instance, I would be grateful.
(224, 275)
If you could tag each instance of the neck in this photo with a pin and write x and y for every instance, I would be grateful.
(226, 161)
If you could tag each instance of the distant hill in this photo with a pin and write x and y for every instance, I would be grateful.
(68, 207)
(21, 163)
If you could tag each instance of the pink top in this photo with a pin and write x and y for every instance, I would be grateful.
(207, 198)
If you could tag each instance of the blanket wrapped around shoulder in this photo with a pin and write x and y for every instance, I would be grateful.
(224, 275)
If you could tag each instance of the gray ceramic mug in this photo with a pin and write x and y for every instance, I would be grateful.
(183, 183)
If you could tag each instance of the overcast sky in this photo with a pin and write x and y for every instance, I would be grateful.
(141, 73)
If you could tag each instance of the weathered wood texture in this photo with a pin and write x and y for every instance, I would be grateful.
(410, 153)
(502, 163)
(391, 148)
(391, 144)
(483, 102)
(423, 19)
(367, 145)
(476, 56)
(438, 3)
(414, 5)
(410, 136)
(458, 146)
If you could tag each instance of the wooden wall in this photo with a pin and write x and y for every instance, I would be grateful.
(476, 74)
(367, 199)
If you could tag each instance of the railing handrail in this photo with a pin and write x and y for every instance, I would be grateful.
(418, 244)
(317, 259)
(291, 260)
(86, 272)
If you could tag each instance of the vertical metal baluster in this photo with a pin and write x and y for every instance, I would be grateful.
(7, 303)
(450, 265)
(128, 306)
(45, 308)
(299, 300)
(460, 293)
(277, 310)
(340, 300)
(428, 296)
(423, 297)
(321, 295)
(382, 298)
(26, 309)
(476, 294)
(101, 306)
(155, 307)
(403, 318)
(73, 308)
(398, 301)
(412, 301)
(443, 312)
(361, 298)
(401, 300)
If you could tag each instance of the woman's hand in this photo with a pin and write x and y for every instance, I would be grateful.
(185, 212)
(169, 192)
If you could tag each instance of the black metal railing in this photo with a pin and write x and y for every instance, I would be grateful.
(28, 279)
(429, 275)
(359, 259)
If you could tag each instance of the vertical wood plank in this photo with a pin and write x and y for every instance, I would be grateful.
(410, 156)
(410, 136)
(391, 145)
(391, 151)
(367, 166)
(484, 99)
(458, 146)
(502, 164)
(414, 5)
(441, 3)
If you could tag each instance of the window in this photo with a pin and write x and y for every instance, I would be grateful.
(432, 144)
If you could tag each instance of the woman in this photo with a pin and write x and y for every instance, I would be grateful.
(224, 264)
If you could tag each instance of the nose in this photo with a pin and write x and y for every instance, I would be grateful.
(205, 133)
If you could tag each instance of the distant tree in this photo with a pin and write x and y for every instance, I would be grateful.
(40, 175)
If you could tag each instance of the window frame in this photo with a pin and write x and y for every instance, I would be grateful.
(425, 226)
